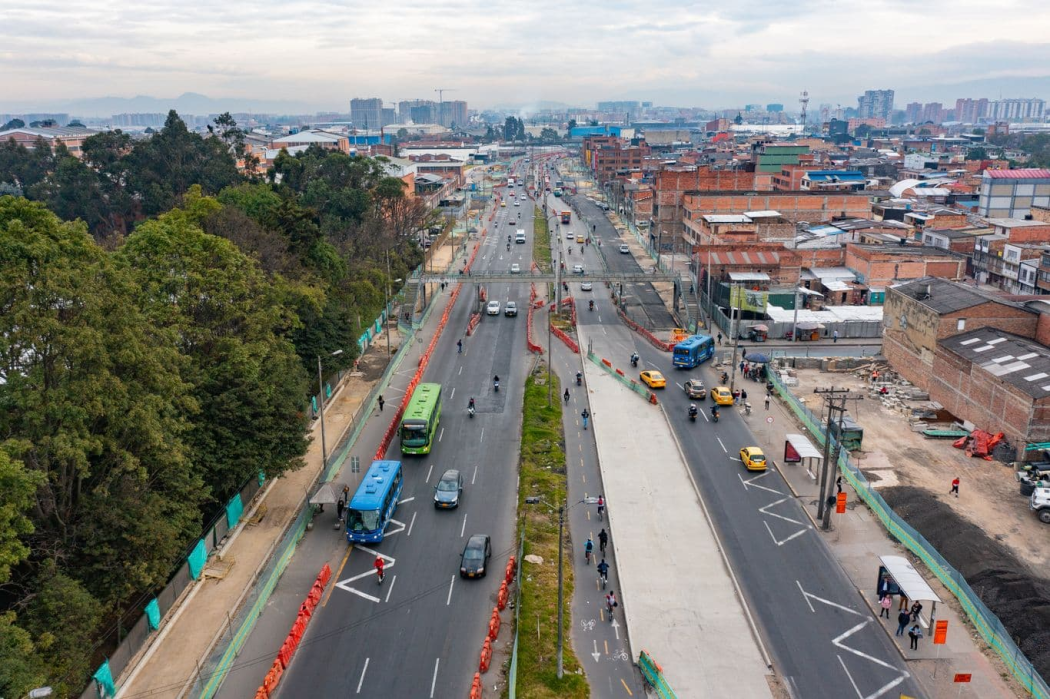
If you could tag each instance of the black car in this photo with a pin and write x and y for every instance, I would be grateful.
(448, 489)
(475, 556)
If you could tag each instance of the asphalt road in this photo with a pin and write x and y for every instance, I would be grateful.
(823, 638)
(419, 634)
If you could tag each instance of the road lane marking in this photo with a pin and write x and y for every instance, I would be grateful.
(460, 371)
(453, 394)
(464, 527)
(411, 524)
(750, 483)
(442, 434)
(433, 682)
(475, 476)
(402, 502)
(626, 688)
(722, 445)
(363, 671)
(338, 572)
(482, 434)
(447, 603)
(429, 471)
(779, 542)
(596, 654)
(765, 511)
(390, 589)
(885, 688)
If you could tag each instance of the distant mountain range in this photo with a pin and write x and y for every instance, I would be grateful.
(187, 103)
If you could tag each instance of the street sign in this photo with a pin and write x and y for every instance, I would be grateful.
(940, 632)
(770, 419)
(961, 678)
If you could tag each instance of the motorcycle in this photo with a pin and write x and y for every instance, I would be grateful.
(634, 360)
(591, 305)
(470, 410)
(714, 415)
(495, 386)
(692, 414)
(579, 379)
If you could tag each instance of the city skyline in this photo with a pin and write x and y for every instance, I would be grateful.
(672, 55)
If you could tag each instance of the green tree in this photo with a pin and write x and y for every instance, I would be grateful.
(17, 489)
(76, 123)
(402, 133)
(246, 377)
(977, 154)
(15, 123)
(21, 670)
(93, 403)
(572, 125)
(548, 135)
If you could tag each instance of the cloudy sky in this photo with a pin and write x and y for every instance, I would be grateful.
(491, 52)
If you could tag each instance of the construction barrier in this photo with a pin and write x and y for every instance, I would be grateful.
(486, 656)
(494, 624)
(475, 687)
(512, 565)
(564, 337)
(620, 376)
(653, 339)
(475, 320)
(654, 675)
(291, 641)
(533, 347)
(501, 598)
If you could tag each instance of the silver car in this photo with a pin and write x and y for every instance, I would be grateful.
(448, 490)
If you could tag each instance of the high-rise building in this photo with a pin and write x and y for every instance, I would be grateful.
(627, 107)
(912, 113)
(389, 116)
(774, 108)
(453, 114)
(1020, 109)
(933, 112)
(366, 113)
(154, 120)
(417, 111)
(970, 111)
(877, 104)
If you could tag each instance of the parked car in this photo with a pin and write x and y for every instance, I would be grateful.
(475, 556)
(448, 489)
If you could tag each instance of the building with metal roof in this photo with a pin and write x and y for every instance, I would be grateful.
(1013, 193)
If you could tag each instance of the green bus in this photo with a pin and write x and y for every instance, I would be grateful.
(420, 421)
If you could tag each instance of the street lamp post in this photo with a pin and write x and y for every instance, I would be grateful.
(320, 385)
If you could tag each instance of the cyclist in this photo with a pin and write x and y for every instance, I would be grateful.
(566, 395)
(587, 548)
(586, 414)
(601, 507)
(603, 572)
(379, 567)
(603, 539)
(611, 603)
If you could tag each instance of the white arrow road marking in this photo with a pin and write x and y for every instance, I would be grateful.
(596, 654)
(616, 628)
(750, 482)
(809, 595)
(345, 584)
(390, 532)
(781, 542)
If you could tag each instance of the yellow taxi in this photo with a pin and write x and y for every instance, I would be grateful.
(503, 204)
(721, 395)
(579, 239)
(753, 459)
(653, 379)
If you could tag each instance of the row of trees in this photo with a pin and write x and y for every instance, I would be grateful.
(161, 314)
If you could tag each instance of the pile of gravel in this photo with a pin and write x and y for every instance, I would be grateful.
(1014, 593)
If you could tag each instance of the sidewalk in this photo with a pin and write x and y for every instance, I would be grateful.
(205, 612)
(857, 540)
(678, 597)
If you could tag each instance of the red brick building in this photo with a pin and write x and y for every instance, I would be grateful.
(793, 206)
(882, 265)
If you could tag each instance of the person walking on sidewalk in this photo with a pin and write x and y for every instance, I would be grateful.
(339, 507)
(955, 487)
(381, 402)
(767, 401)
(886, 603)
(915, 634)
(902, 622)
(838, 483)
(719, 339)
(834, 337)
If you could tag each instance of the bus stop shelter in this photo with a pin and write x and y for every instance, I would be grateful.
(909, 582)
(798, 449)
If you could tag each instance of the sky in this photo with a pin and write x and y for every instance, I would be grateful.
(490, 52)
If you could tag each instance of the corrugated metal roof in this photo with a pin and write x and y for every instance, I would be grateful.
(727, 218)
(745, 258)
(748, 276)
(1024, 173)
(1016, 360)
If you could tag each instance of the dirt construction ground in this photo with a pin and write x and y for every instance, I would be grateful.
(987, 533)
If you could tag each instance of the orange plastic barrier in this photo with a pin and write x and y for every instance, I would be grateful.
(607, 363)
(501, 598)
(273, 677)
(475, 687)
(486, 656)
(494, 624)
(261, 693)
(512, 565)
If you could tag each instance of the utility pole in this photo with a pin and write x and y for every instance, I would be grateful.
(561, 525)
(836, 399)
(733, 297)
(794, 324)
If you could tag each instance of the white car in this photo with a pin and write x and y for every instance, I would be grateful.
(515, 268)
(586, 286)
(624, 249)
(577, 269)
(570, 236)
(493, 308)
(517, 203)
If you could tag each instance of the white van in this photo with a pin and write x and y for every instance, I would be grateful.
(519, 237)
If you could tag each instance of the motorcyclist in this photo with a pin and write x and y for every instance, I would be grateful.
(591, 304)
(725, 378)
(634, 359)
(579, 378)
(566, 396)
(495, 382)
(692, 410)
(714, 411)
(470, 405)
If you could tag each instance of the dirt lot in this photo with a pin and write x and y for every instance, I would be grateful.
(987, 533)
(894, 455)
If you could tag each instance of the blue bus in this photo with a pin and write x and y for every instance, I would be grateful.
(693, 351)
(374, 503)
